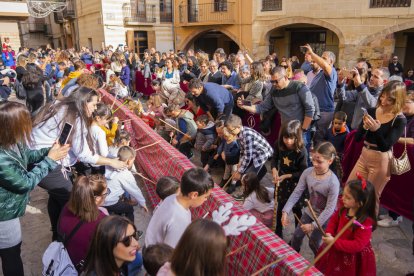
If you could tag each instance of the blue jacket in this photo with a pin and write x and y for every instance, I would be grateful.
(87, 58)
(125, 75)
(214, 96)
(233, 80)
(10, 61)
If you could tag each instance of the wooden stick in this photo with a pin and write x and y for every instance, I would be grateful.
(269, 265)
(149, 180)
(237, 250)
(113, 103)
(173, 127)
(276, 205)
(329, 246)
(307, 234)
(315, 218)
(206, 215)
(147, 146)
(229, 180)
(124, 103)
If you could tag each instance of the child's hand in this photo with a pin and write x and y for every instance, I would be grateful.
(216, 157)
(174, 142)
(145, 208)
(275, 175)
(328, 239)
(115, 120)
(307, 228)
(285, 220)
(171, 134)
(223, 156)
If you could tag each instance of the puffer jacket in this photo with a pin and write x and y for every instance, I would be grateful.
(16, 182)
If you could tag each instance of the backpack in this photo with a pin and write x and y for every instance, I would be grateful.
(56, 260)
(21, 93)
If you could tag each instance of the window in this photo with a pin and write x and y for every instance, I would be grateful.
(140, 42)
(271, 5)
(220, 5)
(389, 3)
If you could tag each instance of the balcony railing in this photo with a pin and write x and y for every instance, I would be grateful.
(69, 12)
(389, 3)
(165, 12)
(144, 14)
(272, 5)
(210, 13)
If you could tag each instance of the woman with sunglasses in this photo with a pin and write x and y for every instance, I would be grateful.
(87, 195)
(115, 243)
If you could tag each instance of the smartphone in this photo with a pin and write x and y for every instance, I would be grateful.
(248, 103)
(303, 50)
(64, 135)
(364, 110)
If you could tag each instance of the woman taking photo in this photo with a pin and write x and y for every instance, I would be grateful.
(381, 127)
(87, 195)
(114, 244)
(76, 110)
(17, 181)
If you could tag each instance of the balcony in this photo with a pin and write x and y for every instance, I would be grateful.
(43, 28)
(69, 12)
(390, 3)
(272, 5)
(165, 12)
(217, 13)
(141, 14)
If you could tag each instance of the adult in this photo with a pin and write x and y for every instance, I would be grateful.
(216, 76)
(408, 111)
(323, 87)
(192, 106)
(76, 110)
(114, 244)
(204, 72)
(292, 99)
(410, 75)
(17, 180)
(21, 67)
(87, 195)
(230, 80)
(256, 82)
(87, 57)
(32, 81)
(363, 96)
(380, 128)
(213, 98)
(306, 65)
(395, 67)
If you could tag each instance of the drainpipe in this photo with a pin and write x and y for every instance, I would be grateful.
(173, 22)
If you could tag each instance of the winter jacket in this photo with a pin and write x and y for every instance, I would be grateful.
(125, 75)
(190, 126)
(16, 182)
(87, 58)
(205, 137)
(8, 62)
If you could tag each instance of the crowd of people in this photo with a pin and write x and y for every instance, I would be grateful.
(205, 104)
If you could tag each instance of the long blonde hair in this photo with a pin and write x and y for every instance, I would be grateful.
(397, 91)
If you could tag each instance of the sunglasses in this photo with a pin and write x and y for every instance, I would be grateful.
(128, 239)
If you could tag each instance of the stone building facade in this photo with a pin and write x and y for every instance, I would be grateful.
(373, 29)
(10, 13)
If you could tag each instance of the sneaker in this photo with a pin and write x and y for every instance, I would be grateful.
(389, 222)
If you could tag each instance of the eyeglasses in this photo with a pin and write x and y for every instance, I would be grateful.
(276, 81)
(108, 192)
(128, 239)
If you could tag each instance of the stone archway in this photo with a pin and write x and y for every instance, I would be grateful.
(200, 32)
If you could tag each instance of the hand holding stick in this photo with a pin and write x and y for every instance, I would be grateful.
(329, 245)
(315, 218)
(307, 234)
(229, 180)
(173, 127)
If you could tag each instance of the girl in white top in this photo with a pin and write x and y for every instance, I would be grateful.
(76, 110)
(258, 199)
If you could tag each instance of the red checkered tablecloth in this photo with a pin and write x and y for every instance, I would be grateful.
(162, 159)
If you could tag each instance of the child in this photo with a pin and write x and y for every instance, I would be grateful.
(120, 182)
(323, 187)
(201, 251)
(186, 124)
(254, 149)
(352, 253)
(110, 132)
(155, 256)
(288, 162)
(205, 137)
(218, 143)
(122, 138)
(166, 186)
(100, 146)
(173, 215)
(338, 132)
(230, 152)
(258, 199)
